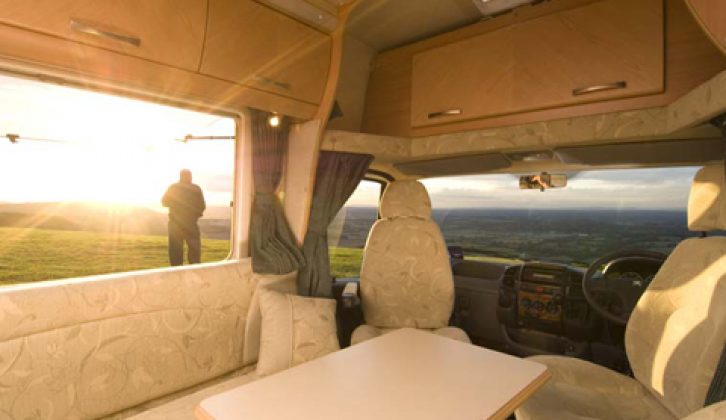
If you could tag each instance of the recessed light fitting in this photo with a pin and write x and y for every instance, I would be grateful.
(273, 120)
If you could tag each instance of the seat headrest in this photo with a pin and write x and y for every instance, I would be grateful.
(405, 199)
(707, 204)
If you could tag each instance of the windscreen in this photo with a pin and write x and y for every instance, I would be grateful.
(599, 212)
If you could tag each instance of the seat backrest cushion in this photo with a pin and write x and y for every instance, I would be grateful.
(675, 335)
(707, 201)
(406, 278)
(87, 348)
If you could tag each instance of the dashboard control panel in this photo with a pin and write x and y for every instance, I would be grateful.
(538, 302)
(541, 304)
(540, 293)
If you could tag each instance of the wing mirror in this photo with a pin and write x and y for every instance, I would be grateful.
(542, 181)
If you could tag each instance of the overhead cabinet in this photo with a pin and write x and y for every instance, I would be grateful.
(165, 31)
(711, 15)
(251, 44)
(600, 51)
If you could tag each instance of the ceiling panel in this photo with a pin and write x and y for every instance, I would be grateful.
(386, 24)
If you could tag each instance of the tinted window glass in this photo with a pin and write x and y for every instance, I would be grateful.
(348, 233)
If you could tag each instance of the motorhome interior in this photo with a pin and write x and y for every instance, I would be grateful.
(390, 209)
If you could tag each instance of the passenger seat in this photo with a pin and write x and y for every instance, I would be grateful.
(406, 278)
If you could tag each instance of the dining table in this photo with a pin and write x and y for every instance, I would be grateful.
(404, 374)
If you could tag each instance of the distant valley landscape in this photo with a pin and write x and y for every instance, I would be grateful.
(42, 241)
(109, 218)
(572, 236)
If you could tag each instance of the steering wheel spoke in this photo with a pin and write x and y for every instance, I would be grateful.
(614, 295)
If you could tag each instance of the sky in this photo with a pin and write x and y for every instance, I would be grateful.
(120, 150)
(107, 149)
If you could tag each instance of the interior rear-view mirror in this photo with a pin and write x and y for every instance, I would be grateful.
(542, 181)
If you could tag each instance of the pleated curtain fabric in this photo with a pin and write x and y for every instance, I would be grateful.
(273, 246)
(338, 175)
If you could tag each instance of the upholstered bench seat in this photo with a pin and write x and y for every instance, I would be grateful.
(180, 405)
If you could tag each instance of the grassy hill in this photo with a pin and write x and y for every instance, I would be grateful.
(28, 255)
(345, 262)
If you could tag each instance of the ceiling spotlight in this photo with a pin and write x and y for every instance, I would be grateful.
(273, 120)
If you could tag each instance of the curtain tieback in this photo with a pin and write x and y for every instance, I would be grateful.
(265, 199)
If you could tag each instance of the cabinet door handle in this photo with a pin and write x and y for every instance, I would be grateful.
(438, 114)
(267, 81)
(599, 88)
(91, 29)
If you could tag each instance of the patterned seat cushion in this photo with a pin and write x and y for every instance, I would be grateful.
(295, 330)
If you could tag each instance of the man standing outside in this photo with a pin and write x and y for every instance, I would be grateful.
(186, 205)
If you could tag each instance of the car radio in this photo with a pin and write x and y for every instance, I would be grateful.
(540, 293)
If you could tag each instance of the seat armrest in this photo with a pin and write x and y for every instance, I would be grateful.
(350, 295)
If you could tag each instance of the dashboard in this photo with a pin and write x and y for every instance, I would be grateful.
(538, 307)
(546, 297)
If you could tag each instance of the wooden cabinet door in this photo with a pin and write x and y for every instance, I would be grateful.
(463, 80)
(254, 45)
(613, 48)
(616, 45)
(165, 31)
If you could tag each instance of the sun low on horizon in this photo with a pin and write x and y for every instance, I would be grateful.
(77, 145)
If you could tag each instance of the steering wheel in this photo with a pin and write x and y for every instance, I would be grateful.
(621, 291)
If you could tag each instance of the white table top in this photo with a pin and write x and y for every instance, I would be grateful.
(402, 374)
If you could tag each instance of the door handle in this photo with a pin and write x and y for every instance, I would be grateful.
(267, 81)
(599, 88)
(446, 113)
(91, 29)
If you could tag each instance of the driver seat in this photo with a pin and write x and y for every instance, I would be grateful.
(673, 339)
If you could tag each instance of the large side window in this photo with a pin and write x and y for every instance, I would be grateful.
(83, 176)
(348, 233)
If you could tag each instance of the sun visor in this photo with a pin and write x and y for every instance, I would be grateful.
(656, 152)
(459, 165)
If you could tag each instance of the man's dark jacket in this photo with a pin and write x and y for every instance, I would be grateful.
(186, 203)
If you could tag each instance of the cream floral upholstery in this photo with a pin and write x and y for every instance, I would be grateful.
(285, 283)
(580, 390)
(88, 348)
(295, 330)
(677, 331)
(707, 203)
(712, 412)
(406, 199)
(406, 278)
(673, 339)
(180, 405)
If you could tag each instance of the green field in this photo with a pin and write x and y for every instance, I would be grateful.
(28, 255)
(345, 262)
